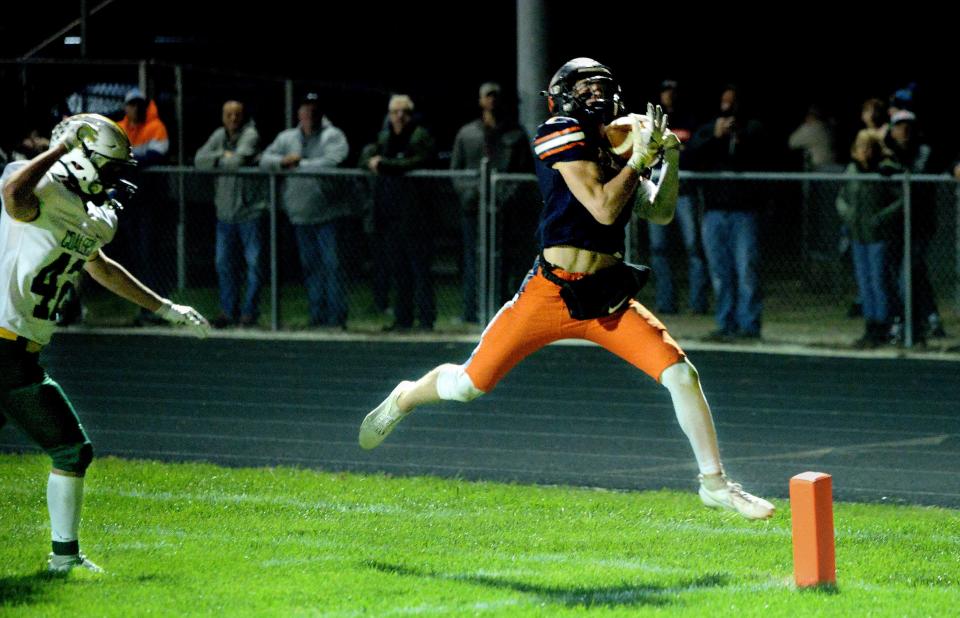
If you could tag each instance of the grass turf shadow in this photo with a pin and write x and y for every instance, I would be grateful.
(586, 596)
(26, 589)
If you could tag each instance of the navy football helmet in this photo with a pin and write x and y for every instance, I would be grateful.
(585, 89)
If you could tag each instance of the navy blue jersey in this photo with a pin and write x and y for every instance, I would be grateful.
(564, 220)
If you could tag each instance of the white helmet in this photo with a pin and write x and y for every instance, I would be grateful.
(94, 169)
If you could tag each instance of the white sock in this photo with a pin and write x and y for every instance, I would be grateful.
(64, 499)
(693, 414)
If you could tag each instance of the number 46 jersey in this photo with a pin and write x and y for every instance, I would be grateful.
(41, 260)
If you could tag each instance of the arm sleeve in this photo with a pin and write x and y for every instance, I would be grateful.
(273, 155)
(248, 146)
(207, 155)
(335, 150)
(420, 155)
(457, 157)
(801, 137)
(368, 152)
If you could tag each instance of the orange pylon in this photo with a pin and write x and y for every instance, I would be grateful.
(811, 511)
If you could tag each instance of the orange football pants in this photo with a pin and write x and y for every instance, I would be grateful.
(537, 316)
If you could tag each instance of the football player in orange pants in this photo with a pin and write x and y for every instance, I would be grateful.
(580, 287)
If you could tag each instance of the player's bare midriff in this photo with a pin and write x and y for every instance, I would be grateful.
(577, 260)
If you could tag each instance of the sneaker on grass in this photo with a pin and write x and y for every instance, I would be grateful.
(61, 565)
(717, 491)
(380, 422)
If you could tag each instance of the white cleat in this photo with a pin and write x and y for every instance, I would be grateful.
(720, 492)
(61, 565)
(378, 424)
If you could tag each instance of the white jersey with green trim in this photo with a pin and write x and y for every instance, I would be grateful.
(41, 260)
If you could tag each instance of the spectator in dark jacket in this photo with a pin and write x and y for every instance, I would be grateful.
(401, 221)
(912, 154)
(871, 210)
(731, 142)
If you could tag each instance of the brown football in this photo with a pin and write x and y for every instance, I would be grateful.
(618, 135)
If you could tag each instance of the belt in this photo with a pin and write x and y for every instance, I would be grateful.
(30, 346)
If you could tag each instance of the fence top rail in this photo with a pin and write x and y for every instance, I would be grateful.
(74, 62)
(785, 176)
(333, 171)
(511, 176)
(815, 176)
(515, 177)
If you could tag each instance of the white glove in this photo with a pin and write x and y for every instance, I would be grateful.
(648, 141)
(659, 121)
(182, 315)
(71, 132)
(640, 159)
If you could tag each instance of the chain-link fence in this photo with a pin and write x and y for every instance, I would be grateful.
(807, 266)
(391, 256)
(399, 253)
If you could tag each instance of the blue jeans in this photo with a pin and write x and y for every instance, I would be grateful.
(731, 242)
(239, 247)
(686, 217)
(874, 272)
(320, 262)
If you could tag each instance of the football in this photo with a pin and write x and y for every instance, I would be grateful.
(618, 134)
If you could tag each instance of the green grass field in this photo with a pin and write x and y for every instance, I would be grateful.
(192, 539)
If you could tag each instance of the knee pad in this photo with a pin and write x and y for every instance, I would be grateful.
(453, 384)
(73, 458)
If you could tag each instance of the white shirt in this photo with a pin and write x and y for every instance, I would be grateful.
(41, 259)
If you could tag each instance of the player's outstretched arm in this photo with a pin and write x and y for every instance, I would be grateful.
(113, 276)
(658, 203)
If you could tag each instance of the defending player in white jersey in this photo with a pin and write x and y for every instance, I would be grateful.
(59, 209)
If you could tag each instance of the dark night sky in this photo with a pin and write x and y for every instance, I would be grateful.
(439, 53)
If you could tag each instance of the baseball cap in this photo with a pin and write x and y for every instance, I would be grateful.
(133, 95)
(904, 115)
(489, 88)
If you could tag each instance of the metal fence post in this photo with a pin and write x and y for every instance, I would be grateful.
(274, 283)
(907, 264)
(493, 271)
(288, 102)
(142, 76)
(182, 218)
(956, 245)
(181, 233)
(23, 86)
(483, 246)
